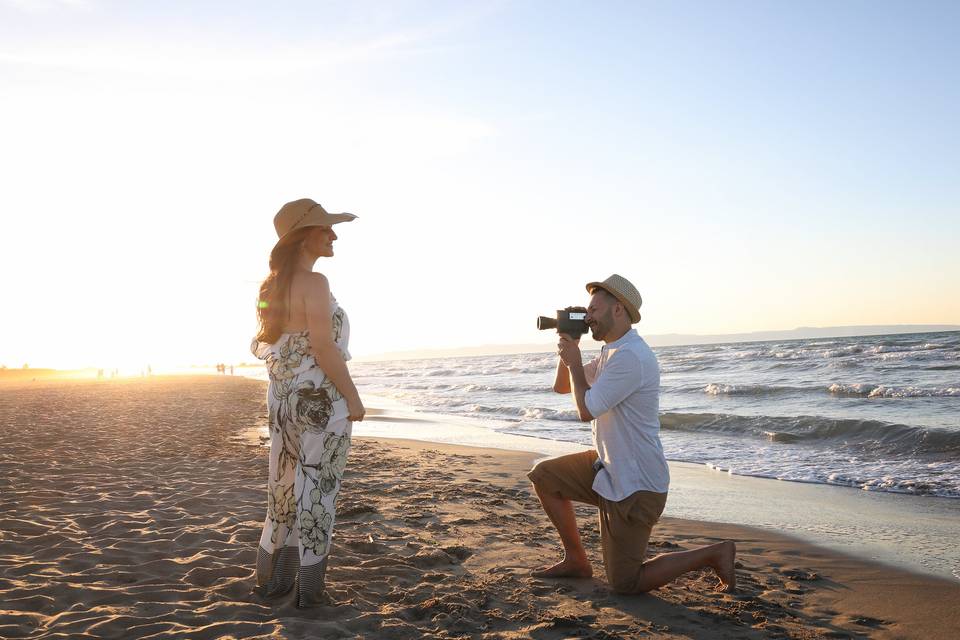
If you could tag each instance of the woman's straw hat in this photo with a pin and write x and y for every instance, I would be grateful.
(622, 290)
(305, 213)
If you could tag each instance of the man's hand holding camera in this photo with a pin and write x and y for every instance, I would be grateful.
(569, 347)
(570, 374)
(569, 351)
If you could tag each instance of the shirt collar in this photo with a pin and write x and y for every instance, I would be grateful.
(629, 335)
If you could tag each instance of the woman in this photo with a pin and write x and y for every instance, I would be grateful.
(312, 403)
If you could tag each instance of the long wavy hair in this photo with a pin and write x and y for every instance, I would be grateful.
(272, 305)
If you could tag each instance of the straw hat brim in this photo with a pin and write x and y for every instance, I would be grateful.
(317, 217)
(632, 311)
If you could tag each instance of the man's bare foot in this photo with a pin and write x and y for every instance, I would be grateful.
(566, 568)
(725, 566)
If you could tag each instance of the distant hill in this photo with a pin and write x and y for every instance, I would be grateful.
(800, 333)
(669, 339)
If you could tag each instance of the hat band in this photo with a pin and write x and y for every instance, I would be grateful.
(300, 219)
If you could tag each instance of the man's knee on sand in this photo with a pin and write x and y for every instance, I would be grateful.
(626, 580)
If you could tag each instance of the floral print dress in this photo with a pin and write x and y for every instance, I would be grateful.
(309, 442)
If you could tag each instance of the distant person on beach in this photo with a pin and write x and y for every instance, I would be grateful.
(626, 475)
(312, 403)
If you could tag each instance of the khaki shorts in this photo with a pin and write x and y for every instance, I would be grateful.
(624, 526)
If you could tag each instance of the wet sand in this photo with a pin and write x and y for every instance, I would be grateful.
(915, 533)
(132, 509)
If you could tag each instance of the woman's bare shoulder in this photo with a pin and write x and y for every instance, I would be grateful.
(306, 283)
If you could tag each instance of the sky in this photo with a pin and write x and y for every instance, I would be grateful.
(747, 165)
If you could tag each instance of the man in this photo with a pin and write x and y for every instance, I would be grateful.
(626, 476)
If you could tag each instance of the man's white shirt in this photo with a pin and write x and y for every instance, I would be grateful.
(624, 398)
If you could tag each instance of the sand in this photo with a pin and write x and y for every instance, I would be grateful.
(132, 509)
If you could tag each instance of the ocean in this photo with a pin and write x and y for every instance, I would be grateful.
(879, 413)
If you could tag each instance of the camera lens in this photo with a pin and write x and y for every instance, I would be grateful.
(544, 323)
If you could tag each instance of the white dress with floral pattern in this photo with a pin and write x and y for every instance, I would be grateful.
(309, 443)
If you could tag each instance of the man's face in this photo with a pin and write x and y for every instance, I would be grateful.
(600, 314)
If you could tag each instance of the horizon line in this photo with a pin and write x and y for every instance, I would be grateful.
(670, 340)
(655, 340)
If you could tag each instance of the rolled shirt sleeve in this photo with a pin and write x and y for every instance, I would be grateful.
(621, 375)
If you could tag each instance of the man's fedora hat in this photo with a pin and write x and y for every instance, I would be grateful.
(621, 289)
(305, 213)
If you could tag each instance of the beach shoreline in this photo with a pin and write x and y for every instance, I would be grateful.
(914, 533)
(132, 509)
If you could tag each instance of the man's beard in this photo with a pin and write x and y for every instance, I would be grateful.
(601, 326)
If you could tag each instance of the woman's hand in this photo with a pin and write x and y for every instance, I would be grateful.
(355, 409)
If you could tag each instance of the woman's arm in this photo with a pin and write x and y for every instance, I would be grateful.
(325, 351)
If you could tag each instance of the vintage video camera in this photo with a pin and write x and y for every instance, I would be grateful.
(569, 321)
